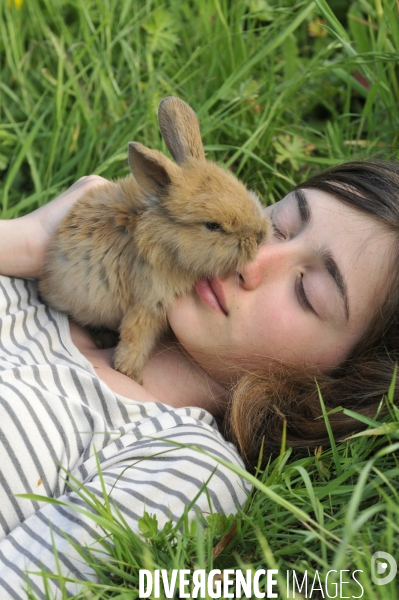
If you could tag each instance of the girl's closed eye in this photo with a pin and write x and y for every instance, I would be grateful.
(277, 232)
(301, 294)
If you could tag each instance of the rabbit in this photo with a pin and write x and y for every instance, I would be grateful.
(128, 247)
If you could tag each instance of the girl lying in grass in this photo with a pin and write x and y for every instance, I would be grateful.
(319, 302)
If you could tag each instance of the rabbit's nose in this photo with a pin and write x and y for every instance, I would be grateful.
(261, 237)
(249, 247)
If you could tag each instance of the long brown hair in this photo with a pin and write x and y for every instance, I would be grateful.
(263, 400)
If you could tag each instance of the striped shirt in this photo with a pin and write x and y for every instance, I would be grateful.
(56, 417)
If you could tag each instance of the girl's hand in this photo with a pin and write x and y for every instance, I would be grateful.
(24, 241)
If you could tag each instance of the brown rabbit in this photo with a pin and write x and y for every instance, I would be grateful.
(128, 248)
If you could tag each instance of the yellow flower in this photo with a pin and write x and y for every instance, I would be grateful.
(316, 29)
(18, 3)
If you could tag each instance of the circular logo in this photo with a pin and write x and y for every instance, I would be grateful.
(383, 562)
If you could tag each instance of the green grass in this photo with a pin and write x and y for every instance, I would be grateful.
(79, 79)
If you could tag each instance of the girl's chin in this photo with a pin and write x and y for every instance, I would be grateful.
(184, 318)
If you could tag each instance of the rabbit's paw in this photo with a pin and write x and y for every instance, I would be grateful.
(127, 363)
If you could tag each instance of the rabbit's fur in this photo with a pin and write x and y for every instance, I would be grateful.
(128, 248)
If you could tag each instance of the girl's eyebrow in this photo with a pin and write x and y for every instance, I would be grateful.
(303, 207)
(333, 269)
(326, 256)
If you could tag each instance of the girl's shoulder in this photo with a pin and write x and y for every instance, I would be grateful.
(181, 449)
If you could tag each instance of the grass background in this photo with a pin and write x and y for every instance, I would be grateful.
(282, 88)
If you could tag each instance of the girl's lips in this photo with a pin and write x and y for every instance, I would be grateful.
(211, 293)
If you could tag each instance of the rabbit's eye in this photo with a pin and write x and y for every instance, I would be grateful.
(213, 226)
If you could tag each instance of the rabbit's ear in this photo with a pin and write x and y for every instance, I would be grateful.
(151, 169)
(180, 129)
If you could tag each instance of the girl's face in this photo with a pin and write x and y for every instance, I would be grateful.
(307, 297)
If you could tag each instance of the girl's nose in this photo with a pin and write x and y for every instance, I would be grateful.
(272, 259)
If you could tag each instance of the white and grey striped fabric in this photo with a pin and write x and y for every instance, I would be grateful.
(56, 415)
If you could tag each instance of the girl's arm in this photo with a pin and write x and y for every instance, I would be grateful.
(24, 241)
